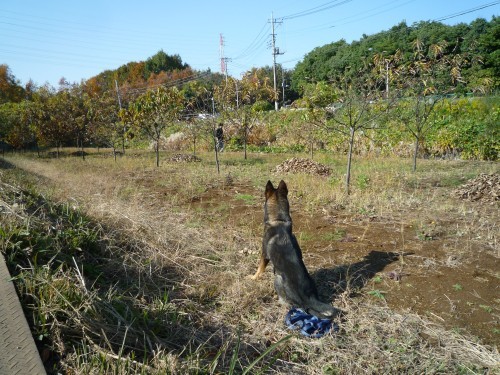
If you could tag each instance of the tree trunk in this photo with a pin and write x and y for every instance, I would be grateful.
(245, 133)
(415, 155)
(349, 160)
(216, 153)
(123, 141)
(157, 147)
(245, 142)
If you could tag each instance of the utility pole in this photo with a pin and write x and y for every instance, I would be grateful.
(214, 126)
(283, 86)
(237, 95)
(276, 51)
(118, 94)
(386, 78)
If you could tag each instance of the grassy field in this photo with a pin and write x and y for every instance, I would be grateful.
(127, 268)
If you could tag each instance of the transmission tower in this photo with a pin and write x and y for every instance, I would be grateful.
(223, 60)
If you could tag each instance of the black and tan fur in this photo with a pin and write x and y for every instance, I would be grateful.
(292, 282)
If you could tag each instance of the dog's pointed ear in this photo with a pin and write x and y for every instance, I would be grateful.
(283, 188)
(269, 189)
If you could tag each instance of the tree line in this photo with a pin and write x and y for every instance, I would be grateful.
(351, 91)
(476, 45)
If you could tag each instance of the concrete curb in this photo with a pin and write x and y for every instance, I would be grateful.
(18, 352)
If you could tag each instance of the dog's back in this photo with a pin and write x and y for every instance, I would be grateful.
(292, 281)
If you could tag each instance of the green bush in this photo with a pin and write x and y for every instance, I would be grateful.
(262, 106)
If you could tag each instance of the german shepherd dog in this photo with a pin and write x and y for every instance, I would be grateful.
(292, 282)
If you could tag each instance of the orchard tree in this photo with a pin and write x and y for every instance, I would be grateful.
(199, 122)
(196, 126)
(50, 117)
(241, 101)
(345, 106)
(9, 120)
(10, 89)
(21, 134)
(357, 110)
(204, 120)
(319, 100)
(425, 80)
(80, 116)
(105, 127)
(154, 111)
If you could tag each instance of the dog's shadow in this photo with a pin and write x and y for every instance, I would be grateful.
(351, 277)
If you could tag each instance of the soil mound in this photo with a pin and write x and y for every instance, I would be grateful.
(184, 158)
(485, 187)
(295, 165)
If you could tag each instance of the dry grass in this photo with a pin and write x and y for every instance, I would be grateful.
(171, 293)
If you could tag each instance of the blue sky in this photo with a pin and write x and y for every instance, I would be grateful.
(47, 40)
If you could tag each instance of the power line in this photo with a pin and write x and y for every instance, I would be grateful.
(60, 36)
(370, 13)
(73, 36)
(373, 14)
(317, 9)
(173, 83)
(84, 27)
(466, 11)
(55, 54)
(256, 43)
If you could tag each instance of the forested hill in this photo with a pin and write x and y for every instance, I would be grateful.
(477, 43)
(159, 68)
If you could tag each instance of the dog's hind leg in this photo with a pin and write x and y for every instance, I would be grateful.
(321, 309)
(280, 289)
(261, 268)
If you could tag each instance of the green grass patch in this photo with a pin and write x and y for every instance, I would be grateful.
(247, 198)
(377, 293)
(336, 235)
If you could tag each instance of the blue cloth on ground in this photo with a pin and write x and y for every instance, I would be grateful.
(308, 324)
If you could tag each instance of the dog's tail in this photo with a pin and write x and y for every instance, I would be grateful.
(321, 310)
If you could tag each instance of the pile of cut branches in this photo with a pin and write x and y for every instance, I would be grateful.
(485, 187)
(186, 158)
(297, 165)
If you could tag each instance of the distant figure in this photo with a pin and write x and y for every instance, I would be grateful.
(219, 137)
